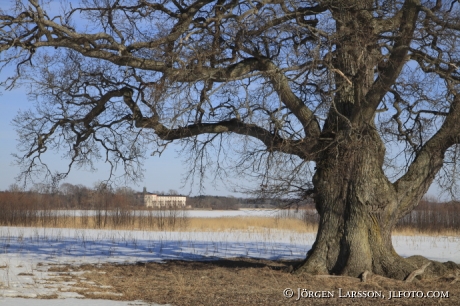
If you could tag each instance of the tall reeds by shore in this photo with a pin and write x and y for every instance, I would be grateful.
(108, 210)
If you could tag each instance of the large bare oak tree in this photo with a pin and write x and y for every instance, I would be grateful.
(365, 91)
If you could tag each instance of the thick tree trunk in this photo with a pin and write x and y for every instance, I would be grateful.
(357, 207)
(357, 204)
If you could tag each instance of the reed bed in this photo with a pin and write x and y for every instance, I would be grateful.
(99, 219)
(179, 221)
(114, 212)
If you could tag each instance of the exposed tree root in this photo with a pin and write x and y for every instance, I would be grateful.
(335, 276)
(455, 277)
(311, 265)
(427, 268)
(417, 272)
(365, 275)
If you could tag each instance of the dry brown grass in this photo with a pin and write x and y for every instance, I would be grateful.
(164, 222)
(412, 231)
(243, 282)
(179, 223)
(220, 224)
(249, 223)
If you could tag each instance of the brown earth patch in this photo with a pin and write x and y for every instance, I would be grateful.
(251, 282)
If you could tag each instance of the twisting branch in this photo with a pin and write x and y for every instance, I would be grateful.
(397, 59)
(428, 161)
(273, 142)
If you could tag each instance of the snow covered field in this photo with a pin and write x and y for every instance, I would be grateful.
(27, 254)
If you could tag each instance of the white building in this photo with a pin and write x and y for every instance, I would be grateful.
(156, 201)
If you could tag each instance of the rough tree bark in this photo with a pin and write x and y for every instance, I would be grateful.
(357, 207)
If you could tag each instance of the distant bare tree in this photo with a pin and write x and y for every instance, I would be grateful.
(355, 103)
(172, 192)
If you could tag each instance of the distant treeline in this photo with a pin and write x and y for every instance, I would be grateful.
(433, 216)
(69, 196)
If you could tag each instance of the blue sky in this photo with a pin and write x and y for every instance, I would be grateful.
(162, 173)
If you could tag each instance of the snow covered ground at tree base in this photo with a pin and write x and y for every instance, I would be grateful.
(28, 254)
